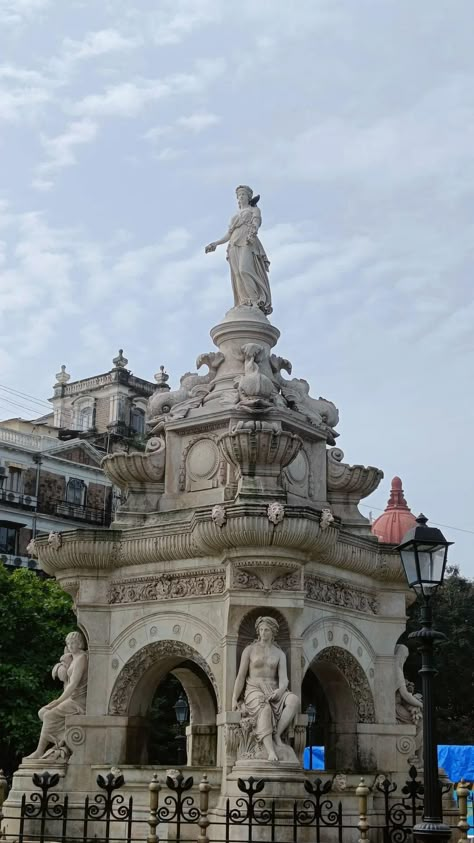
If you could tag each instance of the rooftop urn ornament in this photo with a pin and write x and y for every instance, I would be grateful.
(248, 261)
(162, 379)
(120, 362)
(62, 377)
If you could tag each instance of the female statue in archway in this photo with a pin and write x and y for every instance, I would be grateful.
(263, 681)
(72, 671)
(248, 262)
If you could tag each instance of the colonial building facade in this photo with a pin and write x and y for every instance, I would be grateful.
(50, 474)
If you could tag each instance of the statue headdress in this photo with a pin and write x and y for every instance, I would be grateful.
(271, 622)
(252, 199)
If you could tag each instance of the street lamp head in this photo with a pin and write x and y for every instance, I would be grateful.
(424, 552)
(181, 709)
(311, 714)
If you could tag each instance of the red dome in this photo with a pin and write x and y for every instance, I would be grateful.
(397, 519)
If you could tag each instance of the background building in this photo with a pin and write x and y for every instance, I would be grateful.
(50, 475)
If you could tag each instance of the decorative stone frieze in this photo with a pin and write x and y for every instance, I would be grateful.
(267, 577)
(275, 512)
(167, 587)
(340, 594)
(218, 515)
(327, 518)
(55, 540)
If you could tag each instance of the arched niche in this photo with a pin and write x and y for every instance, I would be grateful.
(135, 686)
(247, 633)
(348, 702)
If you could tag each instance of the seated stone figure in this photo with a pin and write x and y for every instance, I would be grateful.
(72, 670)
(268, 707)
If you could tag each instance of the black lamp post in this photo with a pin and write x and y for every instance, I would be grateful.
(424, 552)
(181, 709)
(311, 715)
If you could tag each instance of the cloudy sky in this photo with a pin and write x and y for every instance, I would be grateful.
(125, 126)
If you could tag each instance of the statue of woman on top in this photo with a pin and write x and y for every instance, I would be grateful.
(248, 262)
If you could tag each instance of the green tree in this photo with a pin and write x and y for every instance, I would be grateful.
(453, 612)
(35, 616)
(163, 728)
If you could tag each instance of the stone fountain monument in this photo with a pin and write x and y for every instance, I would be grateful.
(239, 562)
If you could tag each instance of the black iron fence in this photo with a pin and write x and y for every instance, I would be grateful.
(175, 812)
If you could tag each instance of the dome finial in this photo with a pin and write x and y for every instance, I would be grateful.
(397, 498)
(397, 518)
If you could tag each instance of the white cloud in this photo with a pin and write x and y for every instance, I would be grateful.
(19, 11)
(22, 94)
(177, 19)
(98, 43)
(60, 150)
(94, 45)
(128, 99)
(198, 122)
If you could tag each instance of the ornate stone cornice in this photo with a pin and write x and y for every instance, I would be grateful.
(194, 534)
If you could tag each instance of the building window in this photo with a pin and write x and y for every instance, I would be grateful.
(76, 492)
(8, 539)
(15, 480)
(85, 418)
(121, 408)
(137, 420)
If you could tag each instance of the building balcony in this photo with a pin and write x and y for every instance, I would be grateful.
(82, 513)
(17, 499)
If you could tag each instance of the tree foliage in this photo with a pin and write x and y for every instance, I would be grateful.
(453, 613)
(163, 728)
(35, 617)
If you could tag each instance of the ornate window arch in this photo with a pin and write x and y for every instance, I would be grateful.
(84, 412)
(76, 491)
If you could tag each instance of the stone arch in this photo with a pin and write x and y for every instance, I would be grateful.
(356, 681)
(134, 685)
(134, 689)
(349, 702)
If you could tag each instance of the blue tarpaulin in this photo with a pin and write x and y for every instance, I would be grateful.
(318, 758)
(458, 761)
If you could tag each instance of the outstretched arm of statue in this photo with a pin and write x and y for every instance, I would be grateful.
(241, 677)
(213, 246)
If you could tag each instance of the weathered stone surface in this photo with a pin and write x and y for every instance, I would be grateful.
(237, 510)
